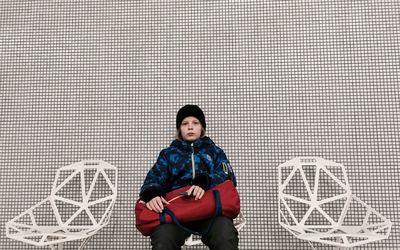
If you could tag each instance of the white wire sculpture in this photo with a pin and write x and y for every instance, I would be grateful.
(238, 222)
(79, 205)
(316, 204)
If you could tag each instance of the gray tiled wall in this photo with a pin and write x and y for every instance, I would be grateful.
(276, 79)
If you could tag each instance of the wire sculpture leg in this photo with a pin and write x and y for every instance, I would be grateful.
(312, 246)
(84, 242)
(336, 248)
(59, 246)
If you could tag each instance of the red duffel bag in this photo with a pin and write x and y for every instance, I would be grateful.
(223, 199)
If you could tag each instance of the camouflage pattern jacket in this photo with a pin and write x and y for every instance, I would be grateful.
(183, 163)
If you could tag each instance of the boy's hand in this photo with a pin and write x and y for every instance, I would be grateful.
(157, 204)
(196, 191)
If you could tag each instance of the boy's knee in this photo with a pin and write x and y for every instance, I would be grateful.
(167, 236)
(224, 224)
(222, 233)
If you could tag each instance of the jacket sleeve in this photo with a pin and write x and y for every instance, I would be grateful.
(156, 179)
(222, 169)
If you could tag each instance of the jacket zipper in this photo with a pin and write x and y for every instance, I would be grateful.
(193, 164)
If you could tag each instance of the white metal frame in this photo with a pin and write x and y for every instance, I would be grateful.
(60, 226)
(298, 188)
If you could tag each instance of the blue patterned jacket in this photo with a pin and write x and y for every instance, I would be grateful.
(184, 163)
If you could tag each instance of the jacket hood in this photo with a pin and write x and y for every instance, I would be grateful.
(187, 145)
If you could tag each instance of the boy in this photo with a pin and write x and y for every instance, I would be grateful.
(195, 161)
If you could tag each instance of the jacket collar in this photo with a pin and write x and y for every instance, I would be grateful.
(187, 145)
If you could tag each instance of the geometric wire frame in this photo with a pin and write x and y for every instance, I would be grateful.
(79, 205)
(316, 204)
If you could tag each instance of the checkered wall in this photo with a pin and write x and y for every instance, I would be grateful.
(276, 80)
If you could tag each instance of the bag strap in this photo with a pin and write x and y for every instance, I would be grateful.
(218, 212)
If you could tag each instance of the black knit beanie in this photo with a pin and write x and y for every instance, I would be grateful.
(190, 110)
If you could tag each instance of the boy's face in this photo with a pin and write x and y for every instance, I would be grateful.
(190, 128)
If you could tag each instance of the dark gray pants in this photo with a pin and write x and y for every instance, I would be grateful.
(221, 236)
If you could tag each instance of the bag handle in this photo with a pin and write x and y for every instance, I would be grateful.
(218, 211)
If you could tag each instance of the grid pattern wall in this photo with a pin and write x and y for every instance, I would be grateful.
(276, 79)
